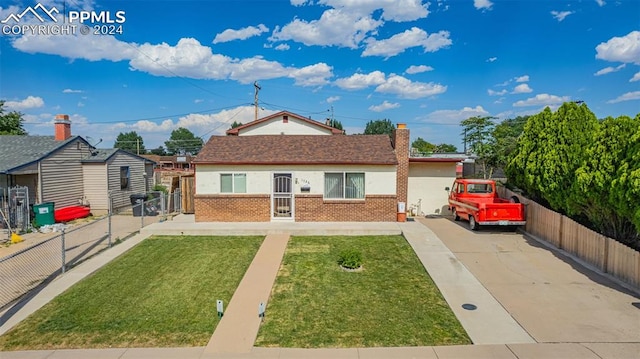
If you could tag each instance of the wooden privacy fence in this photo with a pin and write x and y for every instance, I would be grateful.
(605, 253)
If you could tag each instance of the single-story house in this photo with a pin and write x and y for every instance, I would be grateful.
(288, 167)
(53, 168)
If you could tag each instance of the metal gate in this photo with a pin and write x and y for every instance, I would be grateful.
(15, 205)
(282, 197)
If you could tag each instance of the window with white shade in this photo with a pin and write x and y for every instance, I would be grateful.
(344, 185)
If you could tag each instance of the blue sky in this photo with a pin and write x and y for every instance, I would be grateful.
(429, 64)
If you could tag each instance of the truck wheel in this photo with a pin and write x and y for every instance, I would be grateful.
(514, 199)
(473, 225)
(455, 215)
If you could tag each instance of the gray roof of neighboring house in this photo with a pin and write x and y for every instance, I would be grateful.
(100, 155)
(19, 151)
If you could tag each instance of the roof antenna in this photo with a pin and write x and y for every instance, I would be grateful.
(257, 88)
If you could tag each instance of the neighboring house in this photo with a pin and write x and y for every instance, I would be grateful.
(53, 167)
(172, 163)
(428, 178)
(284, 123)
(112, 176)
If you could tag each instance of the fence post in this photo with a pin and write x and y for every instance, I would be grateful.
(560, 231)
(162, 204)
(141, 214)
(64, 259)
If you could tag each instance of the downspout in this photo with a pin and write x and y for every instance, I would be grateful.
(39, 194)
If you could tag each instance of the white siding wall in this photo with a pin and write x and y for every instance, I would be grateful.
(427, 182)
(95, 186)
(62, 180)
(378, 179)
(277, 127)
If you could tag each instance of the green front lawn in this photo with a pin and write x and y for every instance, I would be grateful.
(162, 293)
(391, 302)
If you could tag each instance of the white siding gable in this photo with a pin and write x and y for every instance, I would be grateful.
(277, 126)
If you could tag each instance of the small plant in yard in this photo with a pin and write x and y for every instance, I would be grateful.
(350, 258)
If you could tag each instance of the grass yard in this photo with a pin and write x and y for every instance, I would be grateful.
(162, 293)
(391, 302)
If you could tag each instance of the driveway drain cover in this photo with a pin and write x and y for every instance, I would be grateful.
(469, 306)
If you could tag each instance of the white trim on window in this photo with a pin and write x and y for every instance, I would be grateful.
(344, 185)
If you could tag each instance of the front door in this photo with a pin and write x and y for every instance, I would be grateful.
(282, 197)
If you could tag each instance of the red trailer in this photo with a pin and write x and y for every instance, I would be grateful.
(478, 202)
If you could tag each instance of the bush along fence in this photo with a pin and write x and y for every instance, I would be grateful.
(607, 254)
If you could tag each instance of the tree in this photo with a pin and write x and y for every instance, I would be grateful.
(160, 151)
(445, 148)
(504, 140)
(11, 123)
(130, 141)
(476, 134)
(422, 146)
(335, 124)
(379, 127)
(183, 141)
(607, 185)
(235, 124)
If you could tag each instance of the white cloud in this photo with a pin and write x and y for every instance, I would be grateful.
(601, 2)
(524, 78)
(454, 116)
(392, 10)
(360, 81)
(629, 96)
(72, 91)
(386, 105)
(542, 100)
(242, 34)
(91, 48)
(336, 27)
(313, 75)
(496, 93)
(405, 88)
(635, 77)
(609, 69)
(560, 15)
(26, 104)
(413, 37)
(492, 59)
(333, 99)
(413, 69)
(282, 47)
(198, 100)
(621, 49)
(522, 88)
(482, 4)
(80, 104)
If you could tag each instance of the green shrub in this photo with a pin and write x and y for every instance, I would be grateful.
(350, 258)
(160, 188)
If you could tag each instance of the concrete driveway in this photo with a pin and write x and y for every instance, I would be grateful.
(554, 298)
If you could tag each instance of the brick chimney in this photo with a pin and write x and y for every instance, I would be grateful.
(401, 146)
(63, 127)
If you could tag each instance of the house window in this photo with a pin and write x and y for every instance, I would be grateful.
(344, 185)
(285, 119)
(233, 183)
(124, 177)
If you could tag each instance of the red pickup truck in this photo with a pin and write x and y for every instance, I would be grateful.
(477, 201)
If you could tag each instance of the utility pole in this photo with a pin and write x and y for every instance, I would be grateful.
(138, 146)
(255, 99)
(332, 120)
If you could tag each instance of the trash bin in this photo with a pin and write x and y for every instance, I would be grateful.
(44, 214)
(137, 201)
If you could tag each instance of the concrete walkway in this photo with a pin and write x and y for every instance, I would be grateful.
(238, 329)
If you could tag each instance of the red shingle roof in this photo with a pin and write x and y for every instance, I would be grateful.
(298, 149)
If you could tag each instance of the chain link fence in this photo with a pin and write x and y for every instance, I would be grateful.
(29, 269)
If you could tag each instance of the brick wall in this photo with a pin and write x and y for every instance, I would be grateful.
(233, 208)
(375, 208)
(401, 146)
